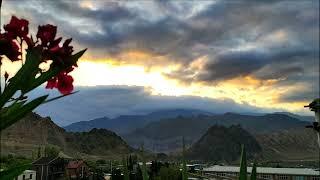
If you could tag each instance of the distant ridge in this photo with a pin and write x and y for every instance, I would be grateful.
(300, 117)
(126, 123)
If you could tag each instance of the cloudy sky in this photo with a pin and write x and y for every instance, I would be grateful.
(215, 55)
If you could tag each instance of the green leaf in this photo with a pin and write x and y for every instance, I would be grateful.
(14, 171)
(29, 69)
(74, 58)
(7, 119)
(243, 164)
(58, 97)
(23, 77)
(13, 107)
(7, 94)
(43, 78)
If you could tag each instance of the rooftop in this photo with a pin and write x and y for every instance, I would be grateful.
(29, 171)
(44, 160)
(265, 170)
(74, 164)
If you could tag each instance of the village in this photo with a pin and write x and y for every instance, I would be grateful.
(52, 168)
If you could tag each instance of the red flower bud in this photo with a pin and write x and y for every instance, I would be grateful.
(46, 33)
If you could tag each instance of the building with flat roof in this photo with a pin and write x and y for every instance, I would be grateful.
(27, 175)
(266, 173)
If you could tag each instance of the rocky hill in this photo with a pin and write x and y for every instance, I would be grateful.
(223, 144)
(33, 131)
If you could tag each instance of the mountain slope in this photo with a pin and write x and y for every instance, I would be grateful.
(33, 131)
(127, 123)
(294, 144)
(221, 143)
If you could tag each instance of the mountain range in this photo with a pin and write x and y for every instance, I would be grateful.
(280, 136)
(127, 123)
(165, 135)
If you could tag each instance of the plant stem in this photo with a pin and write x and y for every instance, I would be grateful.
(0, 57)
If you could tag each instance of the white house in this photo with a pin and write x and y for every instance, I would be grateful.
(27, 175)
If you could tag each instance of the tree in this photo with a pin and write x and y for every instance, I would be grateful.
(144, 166)
(51, 151)
(39, 152)
(243, 164)
(184, 164)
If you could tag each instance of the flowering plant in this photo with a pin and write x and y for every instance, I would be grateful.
(44, 48)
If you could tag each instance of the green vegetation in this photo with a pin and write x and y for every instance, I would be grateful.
(243, 166)
(125, 169)
(144, 167)
(254, 172)
(51, 151)
(10, 161)
(13, 166)
(184, 163)
(14, 171)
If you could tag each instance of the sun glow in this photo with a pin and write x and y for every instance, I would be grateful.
(97, 73)
(243, 90)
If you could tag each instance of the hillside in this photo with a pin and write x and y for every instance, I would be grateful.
(165, 135)
(127, 123)
(33, 131)
(223, 144)
(290, 145)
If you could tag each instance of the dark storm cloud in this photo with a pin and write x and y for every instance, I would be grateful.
(185, 31)
(234, 64)
(219, 25)
(112, 101)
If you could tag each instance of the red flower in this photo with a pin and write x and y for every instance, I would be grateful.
(65, 85)
(9, 48)
(52, 83)
(17, 28)
(63, 82)
(61, 55)
(46, 33)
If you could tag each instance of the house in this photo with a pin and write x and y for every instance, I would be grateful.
(27, 175)
(77, 170)
(49, 168)
(266, 173)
